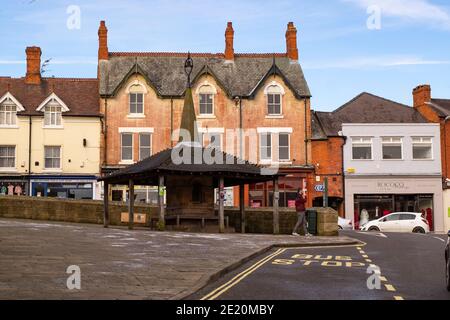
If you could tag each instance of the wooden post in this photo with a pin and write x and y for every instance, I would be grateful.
(162, 219)
(105, 204)
(276, 213)
(131, 204)
(242, 206)
(221, 206)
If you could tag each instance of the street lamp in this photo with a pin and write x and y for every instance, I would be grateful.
(188, 66)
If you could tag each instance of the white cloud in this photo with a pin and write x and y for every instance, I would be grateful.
(373, 62)
(414, 10)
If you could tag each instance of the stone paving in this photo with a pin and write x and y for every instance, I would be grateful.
(117, 263)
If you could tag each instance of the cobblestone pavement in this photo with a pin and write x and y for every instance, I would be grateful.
(117, 263)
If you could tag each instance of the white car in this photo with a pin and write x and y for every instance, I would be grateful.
(345, 224)
(399, 222)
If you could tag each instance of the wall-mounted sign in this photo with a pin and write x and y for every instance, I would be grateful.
(319, 187)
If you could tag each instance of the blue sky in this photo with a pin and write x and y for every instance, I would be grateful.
(340, 55)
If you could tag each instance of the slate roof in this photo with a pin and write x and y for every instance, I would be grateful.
(165, 72)
(364, 108)
(442, 106)
(80, 95)
(162, 163)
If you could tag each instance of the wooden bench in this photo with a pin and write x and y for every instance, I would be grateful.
(202, 219)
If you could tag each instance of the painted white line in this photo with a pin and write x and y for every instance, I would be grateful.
(439, 239)
(369, 233)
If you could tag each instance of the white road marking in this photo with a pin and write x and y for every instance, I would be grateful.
(440, 239)
(376, 234)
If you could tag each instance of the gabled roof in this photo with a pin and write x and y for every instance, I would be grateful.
(442, 106)
(10, 97)
(79, 95)
(51, 97)
(365, 108)
(163, 163)
(165, 71)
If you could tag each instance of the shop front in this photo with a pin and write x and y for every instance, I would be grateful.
(64, 187)
(13, 186)
(261, 194)
(372, 198)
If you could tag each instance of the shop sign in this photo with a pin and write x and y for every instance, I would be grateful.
(391, 186)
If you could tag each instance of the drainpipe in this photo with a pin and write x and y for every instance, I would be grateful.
(29, 154)
(445, 145)
(105, 152)
(171, 121)
(306, 135)
(343, 175)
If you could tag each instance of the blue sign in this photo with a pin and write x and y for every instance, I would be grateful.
(319, 187)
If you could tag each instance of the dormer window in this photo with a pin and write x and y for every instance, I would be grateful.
(206, 93)
(53, 108)
(274, 93)
(52, 115)
(8, 113)
(9, 107)
(136, 94)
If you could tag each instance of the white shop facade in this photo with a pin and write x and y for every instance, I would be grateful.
(393, 168)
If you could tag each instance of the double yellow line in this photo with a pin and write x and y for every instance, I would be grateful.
(241, 276)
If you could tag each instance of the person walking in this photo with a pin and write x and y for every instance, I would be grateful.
(301, 213)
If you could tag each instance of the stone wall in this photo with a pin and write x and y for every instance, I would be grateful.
(258, 220)
(79, 211)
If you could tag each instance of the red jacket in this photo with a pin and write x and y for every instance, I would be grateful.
(300, 204)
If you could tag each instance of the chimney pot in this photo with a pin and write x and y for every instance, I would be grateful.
(229, 42)
(33, 75)
(421, 95)
(291, 41)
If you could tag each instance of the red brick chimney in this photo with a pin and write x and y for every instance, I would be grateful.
(229, 41)
(421, 95)
(33, 65)
(102, 41)
(291, 41)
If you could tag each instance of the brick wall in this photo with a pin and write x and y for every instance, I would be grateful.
(327, 158)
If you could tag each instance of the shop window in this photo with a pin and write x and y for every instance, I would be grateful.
(362, 148)
(392, 148)
(265, 146)
(283, 146)
(127, 147)
(145, 149)
(7, 156)
(52, 157)
(422, 148)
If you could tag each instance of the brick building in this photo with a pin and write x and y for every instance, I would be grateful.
(264, 95)
(437, 111)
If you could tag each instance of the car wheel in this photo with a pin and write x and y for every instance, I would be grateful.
(418, 230)
(447, 274)
(374, 229)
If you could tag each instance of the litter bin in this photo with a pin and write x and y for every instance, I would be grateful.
(311, 217)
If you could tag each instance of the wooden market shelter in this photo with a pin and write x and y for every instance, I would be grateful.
(187, 175)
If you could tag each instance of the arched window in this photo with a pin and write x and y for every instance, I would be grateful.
(136, 93)
(8, 113)
(274, 93)
(206, 99)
